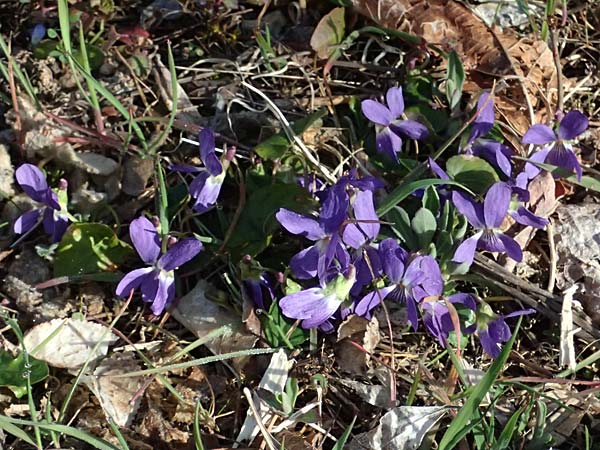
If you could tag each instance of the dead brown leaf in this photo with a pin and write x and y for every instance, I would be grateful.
(355, 329)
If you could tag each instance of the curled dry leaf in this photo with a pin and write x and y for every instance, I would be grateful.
(403, 427)
(69, 343)
(484, 51)
(356, 330)
(115, 394)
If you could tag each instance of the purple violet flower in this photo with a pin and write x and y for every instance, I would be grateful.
(437, 318)
(156, 282)
(38, 32)
(559, 149)
(315, 306)
(492, 329)
(55, 221)
(486, 218)
(485, 119)
(206, 187)
(318, 259)
(411, 278)
(389, 127)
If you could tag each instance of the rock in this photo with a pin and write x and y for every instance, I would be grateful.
(7, 173)
(136, 173)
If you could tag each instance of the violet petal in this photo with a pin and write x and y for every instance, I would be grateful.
(472, 210)
(370, 301)
(466, 251)
(367, 222)
(496, 203)
(26, 221)
(304, 264)
(525, 217)
(180, 253)
(145, 239)
(512, 248)
(376, 112)
(395, 101)
(572, 125)
(132, 280)
(299, 224)
(388, 143)
(539, 134)
(164, 294)
(410, 128)
(206, 138)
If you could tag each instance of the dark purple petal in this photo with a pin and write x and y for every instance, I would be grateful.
(145, 239)
(484, 121)
(572, 125)
(377, 112)
(395, 101)
(26, 221)
(180, 253)
(495, 153)
(496, 203)
(437, 170)
(490, 241)
(366, 272)
(334, 209)
(301, 225)
(433, 283)
(326, 269)
(464, 299)
(512, 248)
(539, 134)
(562, 156)
(525, 217)
(370, 301)
(472, 210)
(388, 143)
(521, 312)
(413, 275)
(531, 169)
(150, 286)
(206, 138)
(490, 346)
(205, 190)
(55, 224)
(437, 320)
(466, 251)
(410, 128)
(367, 223)
(305, 263)
(33, 182)
(184, 168)
(37, 34)
(165, 293)
(133, 280)
(393, 259)
(412, 314)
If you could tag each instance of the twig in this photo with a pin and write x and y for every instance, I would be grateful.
(265, 433)
(559, 81)
(553, 258)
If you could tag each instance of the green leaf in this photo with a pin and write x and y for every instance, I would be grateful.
(341, 442)
(505, 437)
(329, 33)
(402, 227)
(424, 226)
(455, 79)
(257, 222)
(89, 248)
(431, 199)
(277, 327)
(472, 172)
(466, 417)
(277, 145)
(12, 372)
(404, 189)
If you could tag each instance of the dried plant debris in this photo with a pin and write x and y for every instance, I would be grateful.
(117, 396)
(69, 343)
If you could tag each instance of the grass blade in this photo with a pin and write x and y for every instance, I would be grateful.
(407, 188)
(462, 423)
(341, 443)
(11, 428)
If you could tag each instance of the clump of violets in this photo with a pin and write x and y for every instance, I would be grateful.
(557, 147)
(52, 211)
(497, 154)
(390, 127)
(486, 218)
(157, 281)
(206, 187)
(410, 277)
